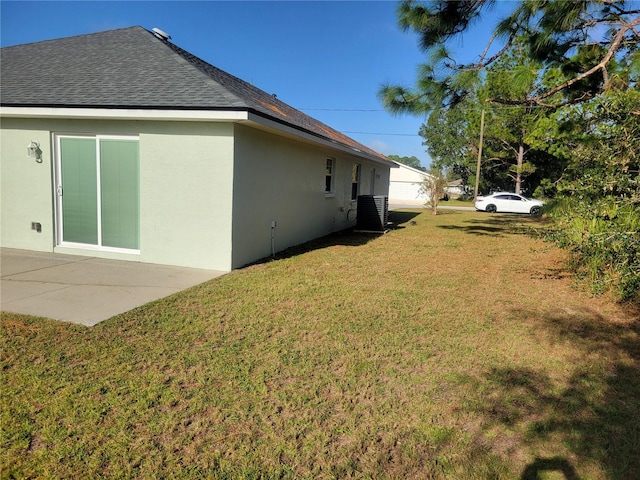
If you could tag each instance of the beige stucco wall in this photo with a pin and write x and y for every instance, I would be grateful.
(185, 189)
(25, 187)
(208, 191)
(283, 180)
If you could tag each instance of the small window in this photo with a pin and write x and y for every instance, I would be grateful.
(355, 181)
(328, 176)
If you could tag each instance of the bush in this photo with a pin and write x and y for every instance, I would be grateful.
(604, 238)
(466, 197)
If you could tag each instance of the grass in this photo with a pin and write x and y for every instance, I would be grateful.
(455, 202)
(455, 346)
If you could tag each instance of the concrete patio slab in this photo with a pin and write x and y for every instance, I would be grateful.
(86, 290)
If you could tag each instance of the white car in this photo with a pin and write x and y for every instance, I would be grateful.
(506, 202)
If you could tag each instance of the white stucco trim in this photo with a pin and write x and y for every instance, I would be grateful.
(183, 115)
(123, 114)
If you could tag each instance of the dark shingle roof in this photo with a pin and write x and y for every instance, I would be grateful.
(132, 68)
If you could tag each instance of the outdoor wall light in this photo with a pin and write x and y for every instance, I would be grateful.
(33, 150)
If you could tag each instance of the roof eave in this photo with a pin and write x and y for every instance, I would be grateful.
(415, 170)
(122, 113)
(292, 130)
(243, 115)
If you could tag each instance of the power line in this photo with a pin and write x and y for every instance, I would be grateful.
(342, 109)
(360, 110)
(380, 133)
(489, 105)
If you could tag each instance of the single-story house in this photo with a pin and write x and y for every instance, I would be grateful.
(456, 188)
(405, 186)
(120, 144)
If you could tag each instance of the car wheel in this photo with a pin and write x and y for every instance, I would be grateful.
(535, 210)
(491, 208)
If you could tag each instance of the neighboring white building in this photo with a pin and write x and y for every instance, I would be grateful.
(455, 188)
(144, 152)
(405, 186)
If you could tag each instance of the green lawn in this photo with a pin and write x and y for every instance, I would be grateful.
(455, 346)
(454, 202)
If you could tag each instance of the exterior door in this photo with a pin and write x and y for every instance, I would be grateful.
(98, 204)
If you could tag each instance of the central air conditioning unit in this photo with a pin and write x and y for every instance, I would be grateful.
(373, 213)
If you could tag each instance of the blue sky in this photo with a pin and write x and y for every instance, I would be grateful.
(326, 58)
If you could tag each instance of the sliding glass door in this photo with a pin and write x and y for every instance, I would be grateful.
(119, 193)
(98, 192)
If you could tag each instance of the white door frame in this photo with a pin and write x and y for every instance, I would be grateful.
(59, 192)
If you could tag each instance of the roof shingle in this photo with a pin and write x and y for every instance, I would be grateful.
(132, 68)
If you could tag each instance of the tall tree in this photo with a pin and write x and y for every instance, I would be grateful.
(581, 60)
(513, 76)
(583, 38)
(451, 133)
(452, 141)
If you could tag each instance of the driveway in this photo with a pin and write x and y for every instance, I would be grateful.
(86, 290)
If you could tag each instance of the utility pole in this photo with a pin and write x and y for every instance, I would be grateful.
(475, 192)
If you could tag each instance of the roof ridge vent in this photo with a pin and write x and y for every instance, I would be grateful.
(161, 34)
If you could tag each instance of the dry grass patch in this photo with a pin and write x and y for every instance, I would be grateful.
(452, 347)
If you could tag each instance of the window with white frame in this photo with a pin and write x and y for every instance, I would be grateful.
(328, 176)
(355, 181)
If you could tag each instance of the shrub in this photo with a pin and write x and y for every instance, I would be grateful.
(604, 238)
